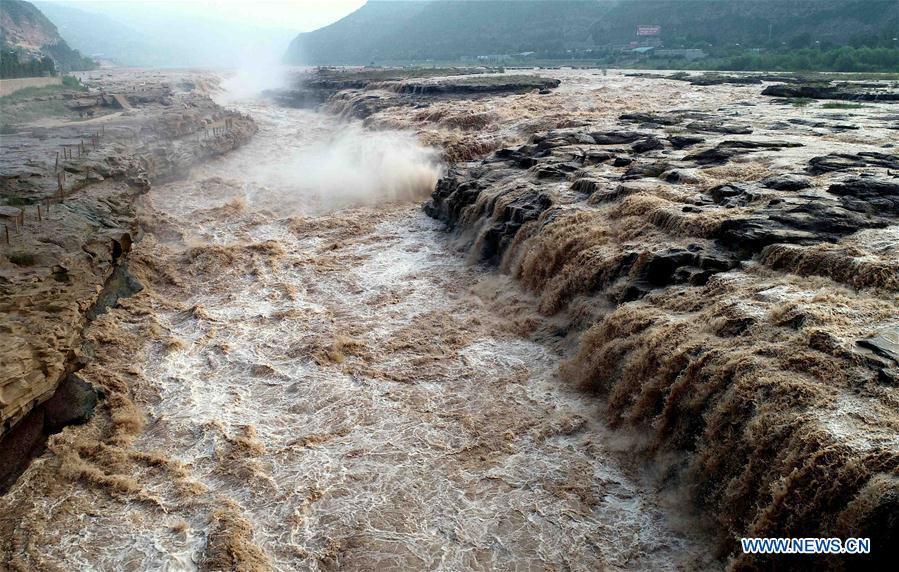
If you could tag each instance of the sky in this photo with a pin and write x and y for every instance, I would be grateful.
(299, 15)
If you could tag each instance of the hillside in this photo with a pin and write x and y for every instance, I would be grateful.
(103, 37)
(163, 34)
(407, 31)
(444, 30)
(25, 31)
(754, 23)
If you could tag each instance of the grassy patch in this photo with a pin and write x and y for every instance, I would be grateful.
(25, 112)
(801, 101)
(73, 82)
(841, 105)
(69, 84)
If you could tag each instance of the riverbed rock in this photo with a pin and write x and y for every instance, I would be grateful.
(648, 144)
(684, 141)
(726, 150)
(843, 91)
(868, 195)
(786, 182)
(845, 161)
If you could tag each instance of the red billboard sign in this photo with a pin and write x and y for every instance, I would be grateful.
(649, 30)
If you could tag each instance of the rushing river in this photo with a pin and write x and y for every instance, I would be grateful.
(331, 385)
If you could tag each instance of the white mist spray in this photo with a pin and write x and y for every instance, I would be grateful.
(359, 167)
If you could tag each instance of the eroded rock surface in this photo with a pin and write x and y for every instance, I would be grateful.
(744, 297)
(58, 269)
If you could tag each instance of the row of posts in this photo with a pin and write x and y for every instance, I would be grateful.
(93, 141)
(216, 131)
(89, 141)
(68, 152)
(42, 211)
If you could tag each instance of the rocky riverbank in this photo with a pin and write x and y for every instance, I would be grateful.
(69, 225)
(676, 291)
(728, 271)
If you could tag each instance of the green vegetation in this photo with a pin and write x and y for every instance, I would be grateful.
(750, 35)
(68, 84)
(801, 101)
(69, 59)
(21, 19)
(842, 59)
(11, 67)
(840, 105)
(73, 82)
(34, 103)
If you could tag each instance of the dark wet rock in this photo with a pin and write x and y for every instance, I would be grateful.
(648, 144)
(807, 122)
(469, 85)
(684, 141)
(302, 98)
(845, 161)
(719, 127)
(319, 86)
(786, 182)
(73, 403)
(824, 125)
(684, 266)
(732, 195)
(559, 139)
(653, 118)
(556, 171)
(808, 222)
(885, 343)
(642, 170)
(714, 156)
(732, 326)
(843, 91)
(715, 79)
(844, 127)
(506, 224)
(724, 151)
(755, 232)
(622, 161)
(524, 157)
(834, 162)
(460, 189)
(868, 195)
(615, 137)
(593, 157)
(676, 176)
(767, 144)
(588, 186)
(660, 269)
(121, 284)
(452, 193)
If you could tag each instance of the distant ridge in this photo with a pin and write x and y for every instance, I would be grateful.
(25, 31)
(443, 30)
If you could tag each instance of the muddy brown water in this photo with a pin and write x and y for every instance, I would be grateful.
(341, 389)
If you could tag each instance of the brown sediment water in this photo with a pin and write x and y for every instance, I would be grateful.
(312, 378)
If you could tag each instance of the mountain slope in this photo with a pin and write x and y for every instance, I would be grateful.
(410, 30)
(27, 32)
(449, 29)
(103, 37)
(164, 34)
(752, 22)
